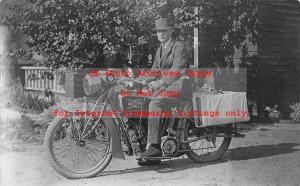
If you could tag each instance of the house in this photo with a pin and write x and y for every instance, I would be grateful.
(278, 53)
(277, 50)
(25, 69)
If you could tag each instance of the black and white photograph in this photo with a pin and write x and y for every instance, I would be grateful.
(150, 92)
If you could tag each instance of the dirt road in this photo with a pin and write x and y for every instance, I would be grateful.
(269, 155)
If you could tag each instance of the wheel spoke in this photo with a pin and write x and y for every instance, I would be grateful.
(204, 144)
(97, 141)
(64, 150)
(79, 155)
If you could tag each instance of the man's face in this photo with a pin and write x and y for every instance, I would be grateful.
(164, 35)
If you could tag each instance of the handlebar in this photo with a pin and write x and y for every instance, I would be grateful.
(133, 80)
(143, 83)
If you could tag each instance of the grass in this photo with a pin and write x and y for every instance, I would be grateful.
(16, 95)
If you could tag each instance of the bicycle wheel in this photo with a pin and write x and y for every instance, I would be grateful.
(73, 157)
(212, 143)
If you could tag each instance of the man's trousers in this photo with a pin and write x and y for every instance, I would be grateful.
(160, 104)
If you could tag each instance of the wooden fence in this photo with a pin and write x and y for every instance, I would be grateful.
(38, 83)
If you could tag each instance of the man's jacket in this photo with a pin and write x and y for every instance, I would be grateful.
(174, 58)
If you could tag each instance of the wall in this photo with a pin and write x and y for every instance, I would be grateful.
(73, 85)
(279, 53)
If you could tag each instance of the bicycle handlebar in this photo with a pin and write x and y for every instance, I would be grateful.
(133, 80)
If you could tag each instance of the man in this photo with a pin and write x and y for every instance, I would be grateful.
(170, 56)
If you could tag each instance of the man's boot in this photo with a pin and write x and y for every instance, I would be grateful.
(153, 151)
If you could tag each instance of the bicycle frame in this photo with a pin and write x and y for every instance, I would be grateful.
(115, 125)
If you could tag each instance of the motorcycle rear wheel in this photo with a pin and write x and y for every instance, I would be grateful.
(74, 158)
(196, 150)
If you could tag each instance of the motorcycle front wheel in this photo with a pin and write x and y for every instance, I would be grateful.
(212, 144)
(73, 157)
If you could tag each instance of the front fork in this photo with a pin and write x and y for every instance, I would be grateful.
(115, 125)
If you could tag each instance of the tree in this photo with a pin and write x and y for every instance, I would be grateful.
(71, 33)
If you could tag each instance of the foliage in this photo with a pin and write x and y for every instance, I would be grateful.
(72, 33)
(295, 115)
(230, 24)
(17, 96)
(273, 114)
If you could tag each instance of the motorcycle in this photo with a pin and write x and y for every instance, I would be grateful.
(82, 145)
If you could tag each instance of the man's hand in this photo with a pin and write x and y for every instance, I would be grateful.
(128, 84)
(155, 85)
(148, 80)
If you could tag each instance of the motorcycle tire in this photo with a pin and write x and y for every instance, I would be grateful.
(51, 137)
(210, 157)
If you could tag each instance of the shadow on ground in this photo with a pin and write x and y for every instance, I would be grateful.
(237, 154)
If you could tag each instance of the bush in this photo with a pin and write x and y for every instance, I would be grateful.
(273, 114)
(17, 96)
(295, 116)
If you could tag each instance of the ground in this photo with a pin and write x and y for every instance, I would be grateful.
(268, 155)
